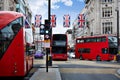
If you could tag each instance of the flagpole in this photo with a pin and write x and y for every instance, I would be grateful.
(49, 9)
(117, 10)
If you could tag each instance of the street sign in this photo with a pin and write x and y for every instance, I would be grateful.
(47, 43)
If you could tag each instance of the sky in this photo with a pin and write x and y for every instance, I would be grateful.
(58, 8)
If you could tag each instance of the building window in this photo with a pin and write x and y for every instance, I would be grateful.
(107, 27)
(11, 8)
(107, 12)
(1, 8)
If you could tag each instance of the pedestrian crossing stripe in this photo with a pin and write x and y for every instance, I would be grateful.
(88, 70)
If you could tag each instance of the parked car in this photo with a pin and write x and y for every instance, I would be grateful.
(39, 54)
(71, 53)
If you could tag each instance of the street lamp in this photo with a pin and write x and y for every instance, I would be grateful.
(117, 10)
(48, 49)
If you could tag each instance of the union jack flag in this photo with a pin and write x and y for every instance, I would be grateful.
(81, 20)
(38, 20)
(53, 21)
(66, 21)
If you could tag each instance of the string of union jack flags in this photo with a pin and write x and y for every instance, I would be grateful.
(66, 20)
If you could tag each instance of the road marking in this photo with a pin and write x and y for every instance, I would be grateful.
(117, 75)
(88, 70)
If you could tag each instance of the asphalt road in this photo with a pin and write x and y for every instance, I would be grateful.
(88, 70)
(91, 76)
(75, 69)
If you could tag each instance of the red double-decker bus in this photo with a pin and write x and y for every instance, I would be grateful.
(59, 47)
(15, 58)
(98, 48)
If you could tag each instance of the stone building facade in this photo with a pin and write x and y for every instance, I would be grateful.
(100, 16)
(21, 6)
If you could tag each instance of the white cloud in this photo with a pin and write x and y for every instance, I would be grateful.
(67, 2)
(38, 7)
(54, 5)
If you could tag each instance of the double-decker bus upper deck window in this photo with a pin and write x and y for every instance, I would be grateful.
(80, 41)
(59, 38)
(93, 39)
(98, 39)
(8, 33)
(77, 41)
(101, 39)
(90, 40)
(87, 40)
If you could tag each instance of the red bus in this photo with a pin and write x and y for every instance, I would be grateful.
(15, 59)
(96, 47)
(59, 47)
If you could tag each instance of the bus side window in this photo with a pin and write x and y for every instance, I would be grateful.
(103, 39)
(16, 27)
(104, 50)
(98, 39)
(80, 50)
(88, 40)
(78, 41)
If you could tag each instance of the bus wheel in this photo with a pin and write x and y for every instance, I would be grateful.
(81, 58)
(98, 58)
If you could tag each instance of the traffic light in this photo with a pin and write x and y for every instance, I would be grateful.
(48, 30)
(47, 34)
(42, 29)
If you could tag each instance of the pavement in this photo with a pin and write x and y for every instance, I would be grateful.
(52, 74)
